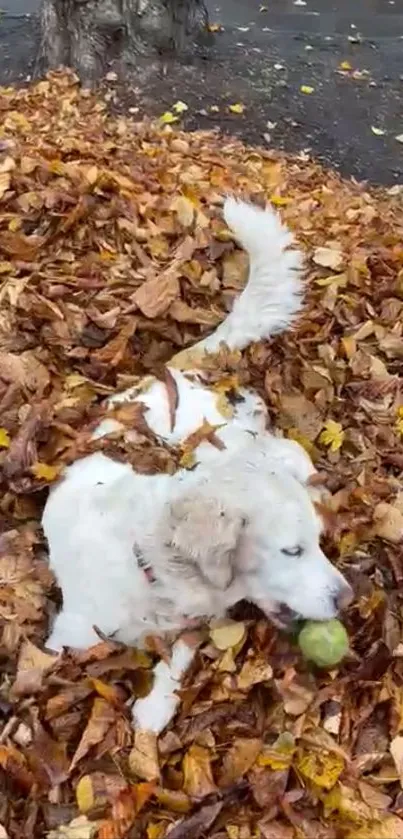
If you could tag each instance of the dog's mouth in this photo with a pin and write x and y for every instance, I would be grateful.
(284, 617)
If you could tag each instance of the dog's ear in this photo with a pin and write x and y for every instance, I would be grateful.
(204, 536)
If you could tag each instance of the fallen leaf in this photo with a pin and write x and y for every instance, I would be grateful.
(253, 672)
(5, 181)
(156, 295)
(305, 88)
(238, 108)
(95, 791)
(143, 758)
(180, 107)
(329, 258)
(322, 769)
(379, 132)
(168, 118)
(79, 828)
(388, 522)
(239, 759)
(389, 827)
(227, 634)
(101, 718)
(44, 472)
(332, 435)
(32, 666)
(198, 777)
(198, 824)
(4, 439)
(184, 209)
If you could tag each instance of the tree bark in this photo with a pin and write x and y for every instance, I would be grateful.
(88, 34)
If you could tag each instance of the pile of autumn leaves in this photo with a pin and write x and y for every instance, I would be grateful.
(113, 256)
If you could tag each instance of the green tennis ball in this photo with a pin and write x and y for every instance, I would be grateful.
(323, 642)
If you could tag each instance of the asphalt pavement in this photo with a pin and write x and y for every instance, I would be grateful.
(311, 75)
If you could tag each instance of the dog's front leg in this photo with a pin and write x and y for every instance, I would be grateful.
(155, 711)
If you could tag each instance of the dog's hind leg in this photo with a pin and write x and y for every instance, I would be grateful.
(272, 296)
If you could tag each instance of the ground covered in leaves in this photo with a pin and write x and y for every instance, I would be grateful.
(113, 257)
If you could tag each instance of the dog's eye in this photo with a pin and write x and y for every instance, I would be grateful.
(297, 551)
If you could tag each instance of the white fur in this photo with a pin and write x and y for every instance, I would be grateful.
(213, 535)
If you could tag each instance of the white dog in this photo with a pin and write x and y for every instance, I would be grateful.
(137, 554)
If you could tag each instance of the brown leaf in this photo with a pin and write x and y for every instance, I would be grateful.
(101, 719)
(143, 758)
(239, 759)
(198, 777)
(16, 768)
(95, 791)
(297, 412)
(155, 296)
(173, 396)
(114, 351)
(198, 824)
(267, 785)
(33, 664)
(125, 808)
(182, 312)
(276, 830)
(50, 755)
(253, 672)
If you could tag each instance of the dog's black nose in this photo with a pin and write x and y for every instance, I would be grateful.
(343, 598)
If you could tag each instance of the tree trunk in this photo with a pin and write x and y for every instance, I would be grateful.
(88, 34)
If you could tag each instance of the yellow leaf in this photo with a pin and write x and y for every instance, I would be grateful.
(379, 132)
(44, 472)
(187, 460)
(180, 107)
(345, 65)
(227, 634)
(294, 434)
(215, 27)
(332, 435)
(279, 755)
(6, 267)
(238, 108)
(346, 802)
(347, 543)
(321, 768)
(156, 830)
(306, 88)
(279, 200)
(223, 406)
(168, 117)
(4, 439)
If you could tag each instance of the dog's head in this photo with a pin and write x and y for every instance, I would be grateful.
(254, 535)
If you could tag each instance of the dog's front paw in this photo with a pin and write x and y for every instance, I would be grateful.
(155, 711)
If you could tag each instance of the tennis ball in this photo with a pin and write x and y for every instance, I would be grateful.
(323, 642)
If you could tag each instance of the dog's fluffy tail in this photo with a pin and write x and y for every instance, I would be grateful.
(273, 293)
